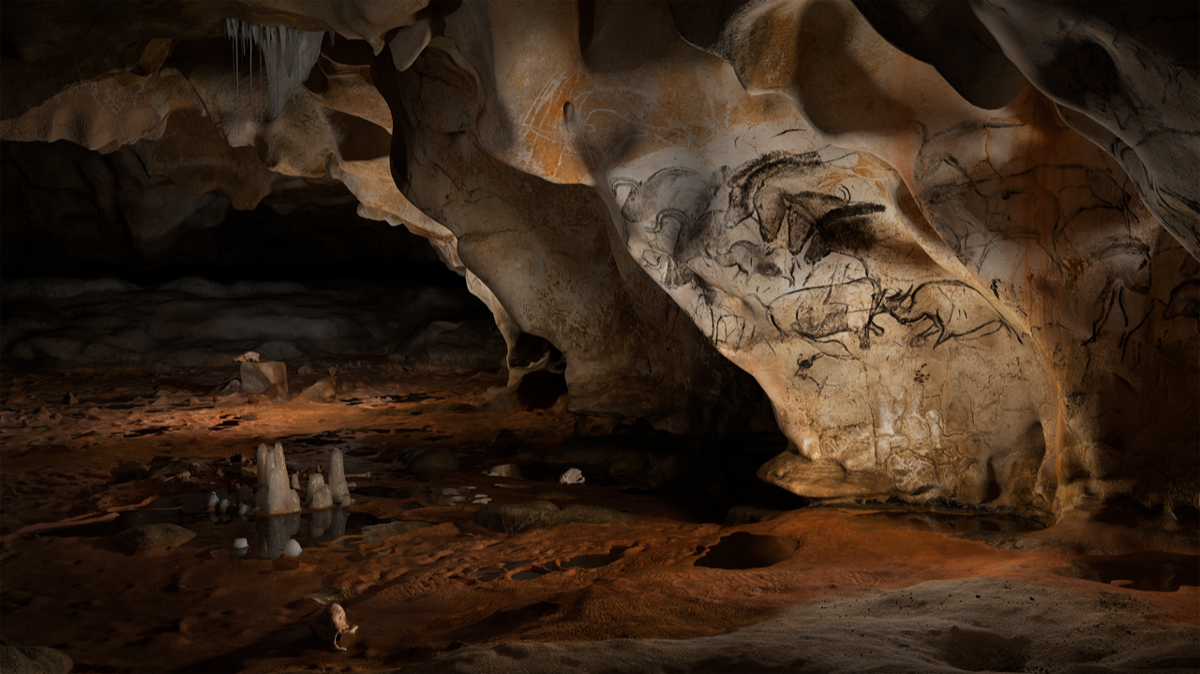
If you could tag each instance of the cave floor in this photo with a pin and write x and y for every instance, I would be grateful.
(851, 588)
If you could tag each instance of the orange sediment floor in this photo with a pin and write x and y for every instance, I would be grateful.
(435, 589)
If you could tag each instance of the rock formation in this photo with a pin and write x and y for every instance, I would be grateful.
(960, 262)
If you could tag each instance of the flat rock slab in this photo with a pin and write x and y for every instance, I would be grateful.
(512, 518)
(157, 535)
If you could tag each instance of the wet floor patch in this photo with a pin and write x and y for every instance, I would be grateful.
(265, 535)
(741, 550)
(487, 573)
(151, 430)
(594, 561)
(378, 532)
(1146, 571)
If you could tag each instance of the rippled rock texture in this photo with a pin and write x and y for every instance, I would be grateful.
(954, 243)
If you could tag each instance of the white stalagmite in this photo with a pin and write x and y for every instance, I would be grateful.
(288, 57)
(319, 496)
(261, 464)
(337, 479)
(275, 496)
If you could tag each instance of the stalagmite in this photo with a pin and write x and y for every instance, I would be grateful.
(275, 496)
(337, 479)
(319, 495)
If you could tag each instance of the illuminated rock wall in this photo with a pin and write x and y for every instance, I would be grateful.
(960, 264)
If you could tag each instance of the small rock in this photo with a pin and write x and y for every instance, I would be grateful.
(258, 377)
(69, 399)
(572, 476)
(231, 386)
(506, 443)
(292, 548)
(248, 357)
(506, 470)
(157, 535)
(305, 370)
(193, 401)
(322, 391)
(130, 471)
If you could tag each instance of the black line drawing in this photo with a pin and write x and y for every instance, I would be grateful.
(786, 228)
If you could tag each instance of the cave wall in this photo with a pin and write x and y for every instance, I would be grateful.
(960, 263)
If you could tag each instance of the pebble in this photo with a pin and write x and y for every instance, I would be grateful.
(291, 548)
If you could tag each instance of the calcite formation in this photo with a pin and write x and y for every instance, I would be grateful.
(275, 493)
(956, 244)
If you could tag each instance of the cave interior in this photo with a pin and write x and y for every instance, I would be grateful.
(599, 336)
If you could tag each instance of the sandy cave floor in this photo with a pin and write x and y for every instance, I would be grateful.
(864, 589)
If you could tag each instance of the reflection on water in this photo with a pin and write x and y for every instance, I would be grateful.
(308, 530)
(942, 522)
(266, 535)
(1147, 571)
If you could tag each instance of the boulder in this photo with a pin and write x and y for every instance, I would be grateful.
(258, 377)
(322, 391)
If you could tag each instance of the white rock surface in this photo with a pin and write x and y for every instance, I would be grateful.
(292, 548)
(277, 497)
(319, 495)
(338, 489)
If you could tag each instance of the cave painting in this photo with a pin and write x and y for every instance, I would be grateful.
(888, 373)
(807, 254)
(797, 267)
